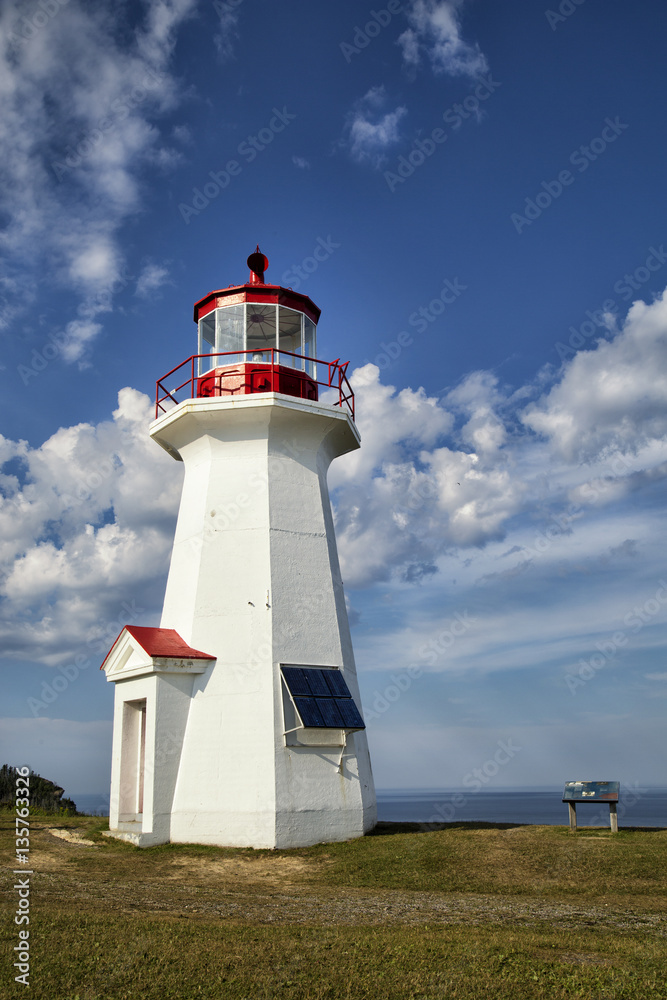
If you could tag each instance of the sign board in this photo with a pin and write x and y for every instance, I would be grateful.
(591, 791)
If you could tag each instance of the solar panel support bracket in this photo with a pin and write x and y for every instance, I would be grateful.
(342, 752)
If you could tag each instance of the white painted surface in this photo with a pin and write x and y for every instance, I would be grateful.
(254, 581)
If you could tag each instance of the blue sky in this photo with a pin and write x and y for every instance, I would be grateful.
(474, 195)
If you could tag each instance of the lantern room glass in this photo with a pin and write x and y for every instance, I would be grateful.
(260, 331)
(289, 333)
(309, 346)
(255, 329)
(207, 341)
(229, 333)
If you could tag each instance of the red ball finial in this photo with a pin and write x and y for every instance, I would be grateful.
(258, 264)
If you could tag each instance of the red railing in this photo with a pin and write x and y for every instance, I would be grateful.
(226, 385)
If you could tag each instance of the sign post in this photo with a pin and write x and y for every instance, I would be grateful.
(592, 791)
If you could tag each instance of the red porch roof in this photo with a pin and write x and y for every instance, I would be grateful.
(161, 642)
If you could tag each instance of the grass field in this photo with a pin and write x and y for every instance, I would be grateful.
(466, 911)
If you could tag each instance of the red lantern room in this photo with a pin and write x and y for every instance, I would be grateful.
(255, 338)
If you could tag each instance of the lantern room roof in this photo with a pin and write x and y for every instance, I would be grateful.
(256, 290)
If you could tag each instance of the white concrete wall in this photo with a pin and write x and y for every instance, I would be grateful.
(173, 700)
(255, 529)
(314, 801)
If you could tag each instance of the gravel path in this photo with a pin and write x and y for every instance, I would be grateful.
(70, 869)
(305, 905)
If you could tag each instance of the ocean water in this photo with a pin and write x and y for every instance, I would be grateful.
(91, 804)
(636, 807)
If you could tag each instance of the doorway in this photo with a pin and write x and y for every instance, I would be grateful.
(132, 761)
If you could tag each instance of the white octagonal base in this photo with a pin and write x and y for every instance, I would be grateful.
(254, 581)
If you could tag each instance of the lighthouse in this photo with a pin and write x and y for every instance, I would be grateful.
(238, 720)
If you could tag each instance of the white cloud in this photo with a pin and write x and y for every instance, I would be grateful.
(152, 277)
(613, 398)
(440, 476)
(656, 677)
(79, 99)
(506, 629)
(406, 496)
(78, 334)
(369, 132)
(435, 29)
(182, 134)
(226, 35)
(86, 525)
(477, 397)
(301, 162)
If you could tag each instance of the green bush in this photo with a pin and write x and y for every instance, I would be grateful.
(45, 796)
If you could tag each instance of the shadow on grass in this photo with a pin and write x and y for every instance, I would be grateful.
(385, 828)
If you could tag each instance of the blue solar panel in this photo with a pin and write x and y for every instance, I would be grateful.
(309, 712)
(351, 716)
(336, 682)
(332, 717)
(322, 698)
(318, 685)
(296, 681)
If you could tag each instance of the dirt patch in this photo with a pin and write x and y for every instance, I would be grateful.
(44, 861)
(278, 870)
(71, 836)
(575, 958)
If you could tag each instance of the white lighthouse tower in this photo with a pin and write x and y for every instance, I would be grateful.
(237, 722)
